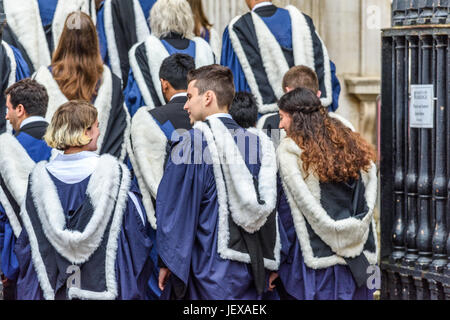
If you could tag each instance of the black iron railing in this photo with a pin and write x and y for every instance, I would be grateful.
(415, 161)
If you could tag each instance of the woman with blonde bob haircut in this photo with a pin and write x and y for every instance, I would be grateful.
(77, 72)
(327, 193)
(172, 31)
(83, 220)
(74, 126)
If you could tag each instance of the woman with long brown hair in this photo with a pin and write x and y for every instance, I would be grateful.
(77, 72)
(327, 193)
(203, 28)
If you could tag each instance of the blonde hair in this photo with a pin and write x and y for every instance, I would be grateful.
(69, 123)
(168, 16)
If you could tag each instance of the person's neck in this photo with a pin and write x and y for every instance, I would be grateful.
(172, 93)
(216, 111)
(73, 150)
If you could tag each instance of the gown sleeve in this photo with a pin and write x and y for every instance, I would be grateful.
(336, 88)
(133, 96)
(22, 70)
(9, 263)
(102, 35)
(133, 263)
(178, 204)
(229, 59)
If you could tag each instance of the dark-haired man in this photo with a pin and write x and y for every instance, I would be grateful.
(153, 132)
(217, 233)
(26, 103)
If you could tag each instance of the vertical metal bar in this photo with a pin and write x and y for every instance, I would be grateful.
(399, 12)
(398, 234)
(440, 12)
(387, 145)
(440, 177)
(425, 174)
(412, 12)
(422, 289)
(425, 11)
(447, 271)
(408, 288)
(412, 175)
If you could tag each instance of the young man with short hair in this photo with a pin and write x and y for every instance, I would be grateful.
(26, 103)
(217, 234)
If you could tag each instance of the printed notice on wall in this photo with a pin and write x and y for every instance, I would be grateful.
(421, 110)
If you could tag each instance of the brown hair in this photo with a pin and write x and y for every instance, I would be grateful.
(77, 65)
(216, 78)
(69, 123)
(29, 93)
(330, 149)
(301, 76)
(199, 16)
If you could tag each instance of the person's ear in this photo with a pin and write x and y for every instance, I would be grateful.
(20, 111)
(287, 89)
(164, 85)
(208, 97)
(319, 93)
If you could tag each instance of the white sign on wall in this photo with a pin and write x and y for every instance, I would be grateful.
(421, 108)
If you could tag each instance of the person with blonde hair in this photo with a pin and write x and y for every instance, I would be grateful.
(121, 24)
(77, 72)
(203, 28)
(85, 234)
(327, 194)
(172, 24)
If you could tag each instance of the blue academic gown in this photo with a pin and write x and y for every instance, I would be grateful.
(191, 209)
(280, 26)
(133, 266)
(146, 6)
(133, 96)
(302, 282)
(38, 150)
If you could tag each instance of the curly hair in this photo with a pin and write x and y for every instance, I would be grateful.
(330, 150)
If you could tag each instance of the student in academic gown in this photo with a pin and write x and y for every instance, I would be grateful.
(35, 26)
(203, 28)
(121, 24)
(217, 234)
(77, 72)
(26, 104)
(327, 193)
(85, 233)
(262, 45)
(154, 130)
(296, 77)
(172, 26)
(12, 68)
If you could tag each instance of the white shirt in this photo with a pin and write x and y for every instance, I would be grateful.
(219, 115)
(176, 95)
(32, 119)
(74, 168)
(262, 4)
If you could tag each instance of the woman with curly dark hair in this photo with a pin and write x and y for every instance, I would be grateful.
(327, 193)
